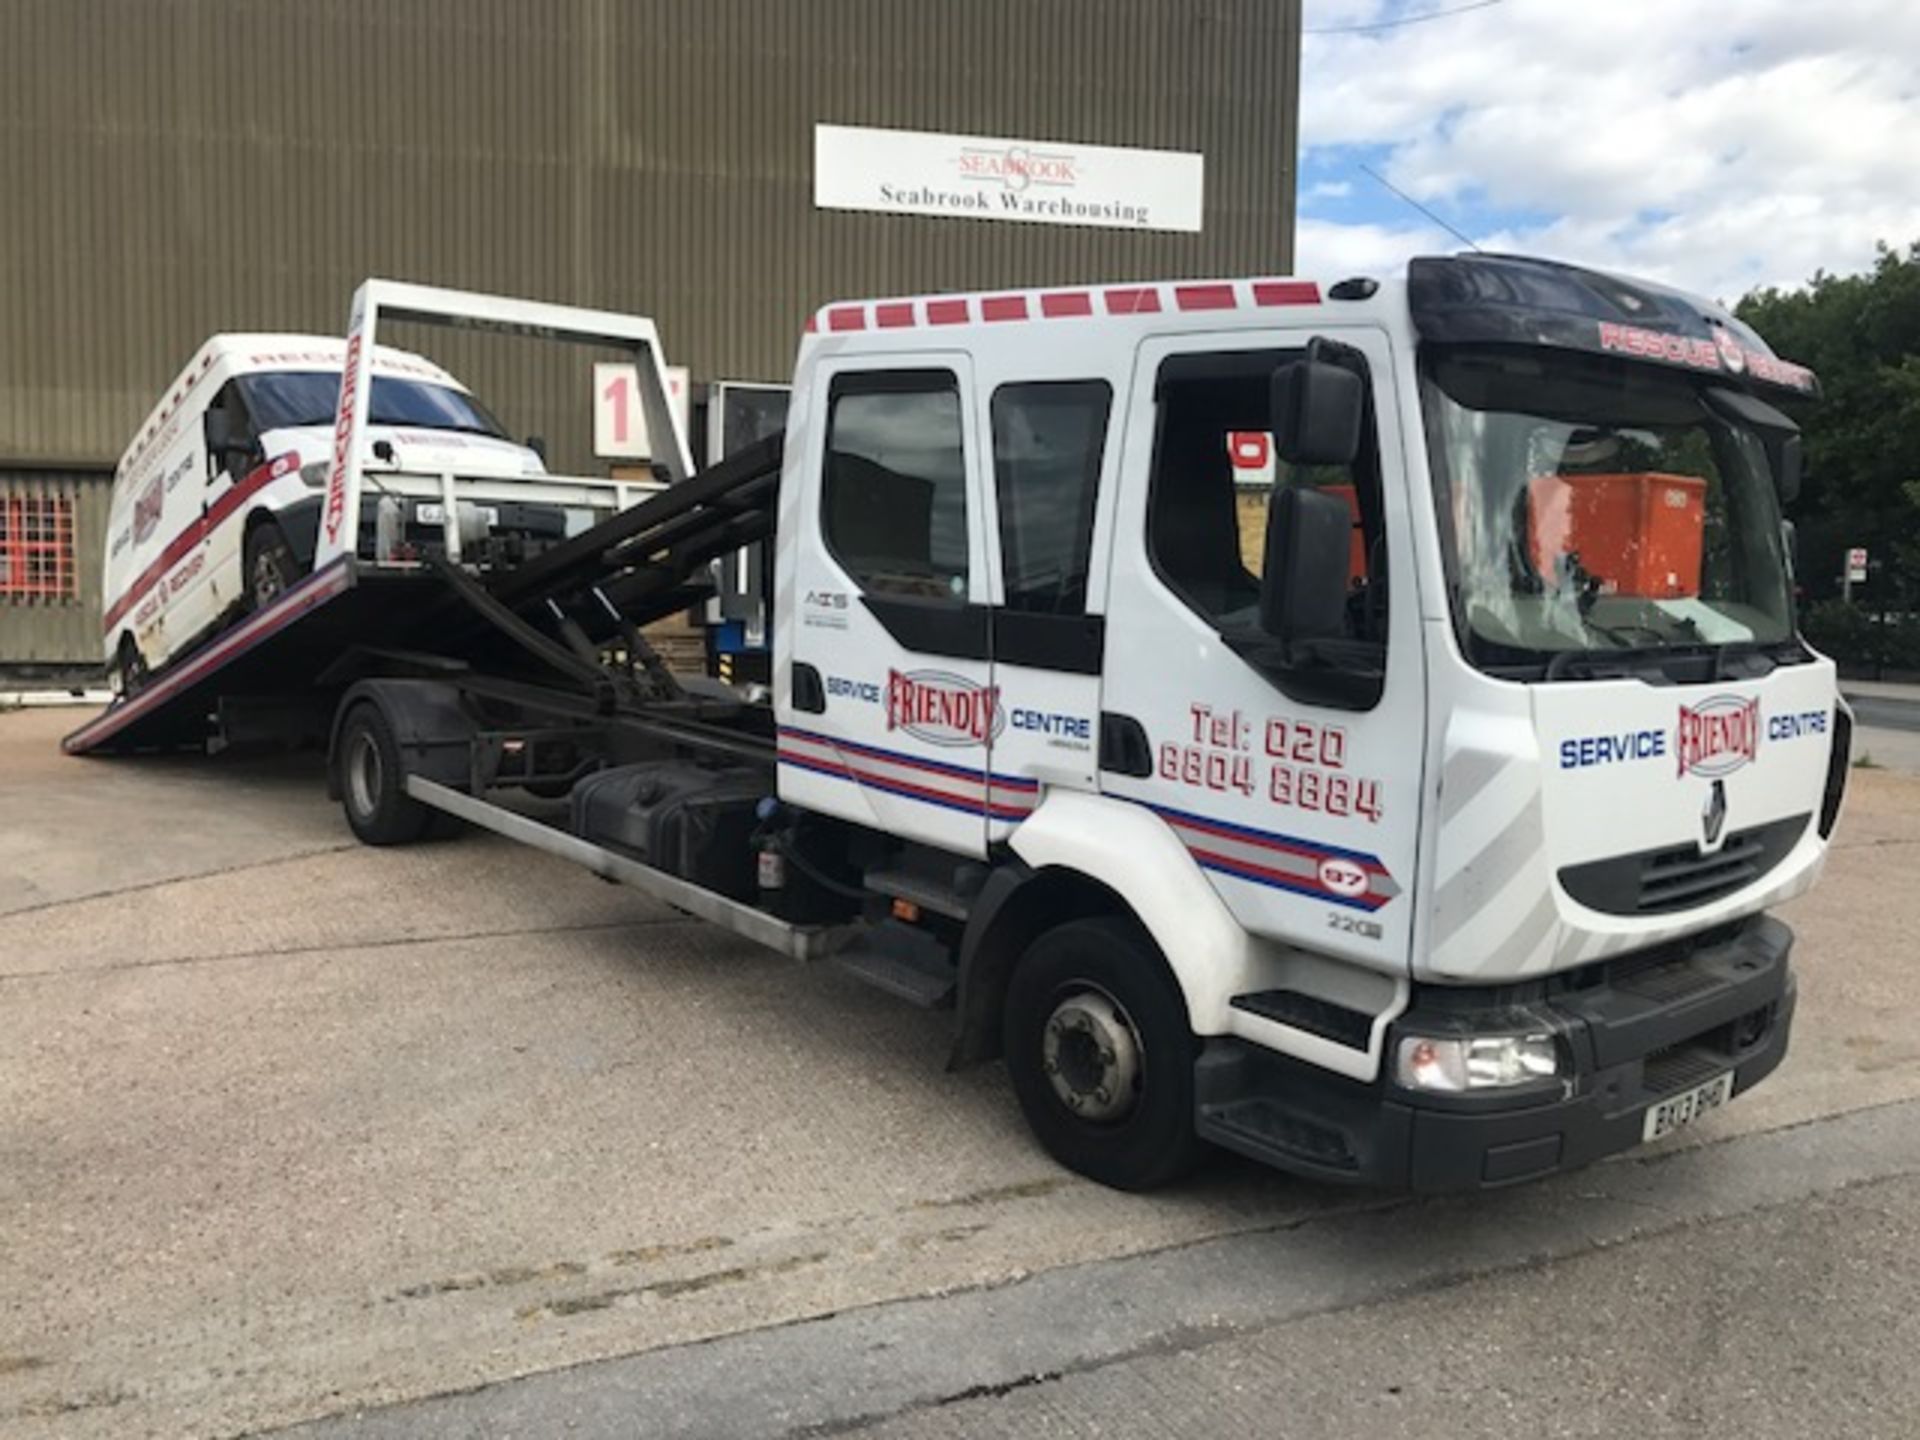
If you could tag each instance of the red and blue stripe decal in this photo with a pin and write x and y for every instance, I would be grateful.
(931, 782)
(1291, 863)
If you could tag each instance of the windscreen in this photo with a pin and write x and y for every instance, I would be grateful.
(286, 399)
(1595, 506)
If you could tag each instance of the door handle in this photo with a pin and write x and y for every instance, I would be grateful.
(809, 692)
(1124, 748)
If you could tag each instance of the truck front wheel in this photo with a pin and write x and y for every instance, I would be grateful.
(1100, 1055)
(373, 780)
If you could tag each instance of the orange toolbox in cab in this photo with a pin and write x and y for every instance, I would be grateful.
(1639, 534)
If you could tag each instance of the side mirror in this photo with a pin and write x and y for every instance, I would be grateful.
(1788, 458)
(1315, 410)
(1303, 589)
(538, 444)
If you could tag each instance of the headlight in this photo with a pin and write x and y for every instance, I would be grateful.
(314, 472)
(1451, 1064)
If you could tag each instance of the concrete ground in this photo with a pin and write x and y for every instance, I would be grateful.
(290, 1129)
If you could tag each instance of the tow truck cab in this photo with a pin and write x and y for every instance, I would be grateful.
(1384, 699)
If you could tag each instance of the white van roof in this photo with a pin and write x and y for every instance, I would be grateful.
(249, 354)
(224, 356)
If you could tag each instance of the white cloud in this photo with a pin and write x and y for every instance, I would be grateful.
(1715, 145)
(1331, 251)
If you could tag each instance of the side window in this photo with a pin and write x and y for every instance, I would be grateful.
(1048, 438)
(1215, 473)
(894, 498)
(231, 438)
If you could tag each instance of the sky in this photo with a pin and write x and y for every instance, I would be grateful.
(1718, 145)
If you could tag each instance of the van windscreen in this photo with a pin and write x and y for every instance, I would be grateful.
(286, 399)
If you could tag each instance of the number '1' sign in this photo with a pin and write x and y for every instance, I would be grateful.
(620, 420)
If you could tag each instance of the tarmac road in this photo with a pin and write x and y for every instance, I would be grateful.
(292, 1129)
(1883, 706)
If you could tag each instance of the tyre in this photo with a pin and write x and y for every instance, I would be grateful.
(1100, 1055)
(372, 780)
(129, 668)
(271, 569)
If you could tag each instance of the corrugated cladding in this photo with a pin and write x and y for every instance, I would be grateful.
(172, 168)
(176, 167)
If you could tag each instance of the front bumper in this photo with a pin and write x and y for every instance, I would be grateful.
(1635, 1031)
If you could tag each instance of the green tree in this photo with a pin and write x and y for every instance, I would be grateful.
(1861, 335)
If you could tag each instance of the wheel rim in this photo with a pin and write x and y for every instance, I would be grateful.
(1092, 1056)
(365, 774)
(267, 581)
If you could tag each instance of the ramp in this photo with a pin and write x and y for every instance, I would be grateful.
(279, 651)
(631, 568)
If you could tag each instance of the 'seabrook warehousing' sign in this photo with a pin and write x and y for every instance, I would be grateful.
(979, 177)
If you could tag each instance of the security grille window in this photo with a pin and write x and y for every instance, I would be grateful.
(1047, 444)
(895, 492)
(1215, 472)
(36, 548)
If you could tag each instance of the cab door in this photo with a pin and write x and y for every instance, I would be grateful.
(1299, 799)
(889, 713)
(1050, 477)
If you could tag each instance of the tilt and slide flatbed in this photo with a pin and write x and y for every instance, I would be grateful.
(1287, 859)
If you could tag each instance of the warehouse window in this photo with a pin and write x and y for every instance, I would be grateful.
(36, 548)
(1047, 441)
(895, 493)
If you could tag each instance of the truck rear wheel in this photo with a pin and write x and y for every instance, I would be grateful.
(1100, 1055)
(373, 780)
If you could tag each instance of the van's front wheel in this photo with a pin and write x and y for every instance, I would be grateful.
(271, 566)
(1100, 1055)
(372, 779)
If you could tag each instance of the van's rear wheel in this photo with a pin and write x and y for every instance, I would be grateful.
(271, 566)
(373, 780)
(1100, 1055)
(129, 667)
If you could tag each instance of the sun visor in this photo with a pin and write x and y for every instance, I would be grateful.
(1512, 300)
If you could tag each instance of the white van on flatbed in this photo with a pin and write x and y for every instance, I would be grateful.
(216, 503)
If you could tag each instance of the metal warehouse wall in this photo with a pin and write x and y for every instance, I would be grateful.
(170, 168)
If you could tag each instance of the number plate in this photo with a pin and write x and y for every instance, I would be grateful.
(428, 512)
(1688, 1106)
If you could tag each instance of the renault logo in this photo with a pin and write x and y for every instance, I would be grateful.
(1713, 815)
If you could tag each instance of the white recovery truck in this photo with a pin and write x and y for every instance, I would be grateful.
(1409, 818)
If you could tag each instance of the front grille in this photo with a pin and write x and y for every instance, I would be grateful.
(1663, 978)
(1681, 1067)
(1679, 877)
(1695, 1061)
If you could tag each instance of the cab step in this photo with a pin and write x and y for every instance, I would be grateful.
(926, 892)
(908, 964)
(1330, 1021)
